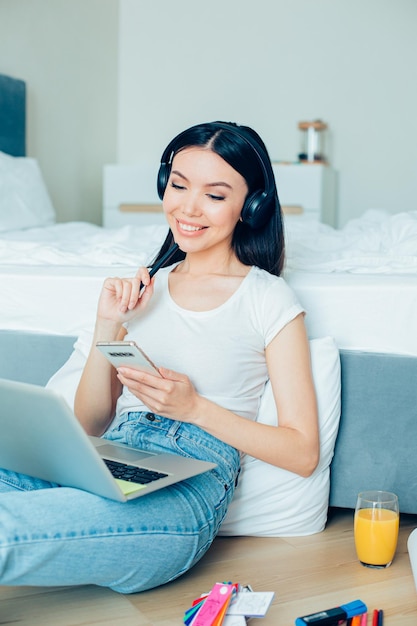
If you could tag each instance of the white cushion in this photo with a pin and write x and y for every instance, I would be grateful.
(270, 501)
(24, 199)
(65, 381)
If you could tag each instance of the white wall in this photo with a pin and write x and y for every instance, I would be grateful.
(101, 93)
(66, 51)
(270, 64)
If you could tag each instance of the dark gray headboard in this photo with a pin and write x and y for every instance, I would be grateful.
(12, 116)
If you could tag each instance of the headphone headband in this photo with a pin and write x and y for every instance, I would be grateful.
(259, 205)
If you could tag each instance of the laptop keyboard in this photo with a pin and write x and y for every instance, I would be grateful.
(131, 473)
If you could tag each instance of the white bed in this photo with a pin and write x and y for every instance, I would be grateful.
(358, 284)
(50, 277)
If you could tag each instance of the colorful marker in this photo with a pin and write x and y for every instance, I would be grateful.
(332, 617)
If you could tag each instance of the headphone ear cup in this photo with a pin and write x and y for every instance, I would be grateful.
(162, 180)
(256, 210)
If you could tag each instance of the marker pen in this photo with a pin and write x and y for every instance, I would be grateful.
(332, 617)
(162, 260)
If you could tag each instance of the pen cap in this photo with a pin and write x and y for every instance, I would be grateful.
(357, 607)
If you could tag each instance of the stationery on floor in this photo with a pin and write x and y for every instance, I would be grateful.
(228, 604)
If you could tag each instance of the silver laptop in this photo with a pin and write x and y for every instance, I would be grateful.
(41, 437)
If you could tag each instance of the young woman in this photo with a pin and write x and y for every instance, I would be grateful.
(219, 321)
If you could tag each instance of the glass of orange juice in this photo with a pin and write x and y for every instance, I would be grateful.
(376, 528)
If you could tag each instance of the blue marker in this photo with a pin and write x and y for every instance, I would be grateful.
(332, 617)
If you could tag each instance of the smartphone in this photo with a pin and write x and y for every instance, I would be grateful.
(127, 353)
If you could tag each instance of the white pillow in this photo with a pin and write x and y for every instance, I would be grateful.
(24, 199)
(65, 381)
(270, 501)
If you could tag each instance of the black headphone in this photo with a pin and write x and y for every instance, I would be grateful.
(259, 205)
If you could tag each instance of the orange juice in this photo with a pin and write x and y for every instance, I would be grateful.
(376, 534)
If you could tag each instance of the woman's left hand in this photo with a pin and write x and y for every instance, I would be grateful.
(171, 395)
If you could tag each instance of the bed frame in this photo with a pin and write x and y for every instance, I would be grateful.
(376, 444)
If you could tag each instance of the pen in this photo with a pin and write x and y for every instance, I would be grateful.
(376, 618)
(356, 620)
(380, 618)
(162, 260)
(364, 619)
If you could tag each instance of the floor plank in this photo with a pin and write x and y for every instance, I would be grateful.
(307, 574)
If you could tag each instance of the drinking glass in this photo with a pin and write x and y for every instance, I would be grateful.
(376, 526)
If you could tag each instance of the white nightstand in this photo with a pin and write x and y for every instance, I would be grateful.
(307, 190)
(130, 196)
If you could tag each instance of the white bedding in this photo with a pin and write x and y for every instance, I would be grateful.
(358, 284)
(50, 278)
(80, 244)
(376, 243)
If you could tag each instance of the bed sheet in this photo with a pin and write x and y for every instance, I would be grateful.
(56, 300)
(80, 244)
(51, 277)
(375, 243)
(358, 284)
(374, 313)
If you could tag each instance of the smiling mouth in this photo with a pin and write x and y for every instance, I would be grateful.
(189, 227)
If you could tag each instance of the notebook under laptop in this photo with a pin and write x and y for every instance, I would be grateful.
(40, 436)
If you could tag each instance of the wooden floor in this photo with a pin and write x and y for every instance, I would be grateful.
(307, 574)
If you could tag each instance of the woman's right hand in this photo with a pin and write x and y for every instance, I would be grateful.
(122, 298)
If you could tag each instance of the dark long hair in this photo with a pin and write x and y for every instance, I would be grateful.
(263, 247)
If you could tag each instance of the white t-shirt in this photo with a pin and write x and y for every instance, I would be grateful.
(222, 351)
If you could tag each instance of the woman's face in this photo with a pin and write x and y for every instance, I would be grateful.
(203, 199)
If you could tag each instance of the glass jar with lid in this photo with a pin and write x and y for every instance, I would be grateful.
(312, 141)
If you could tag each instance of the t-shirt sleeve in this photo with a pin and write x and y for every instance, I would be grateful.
(280, 306)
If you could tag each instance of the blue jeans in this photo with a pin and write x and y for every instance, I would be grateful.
(52, 535)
